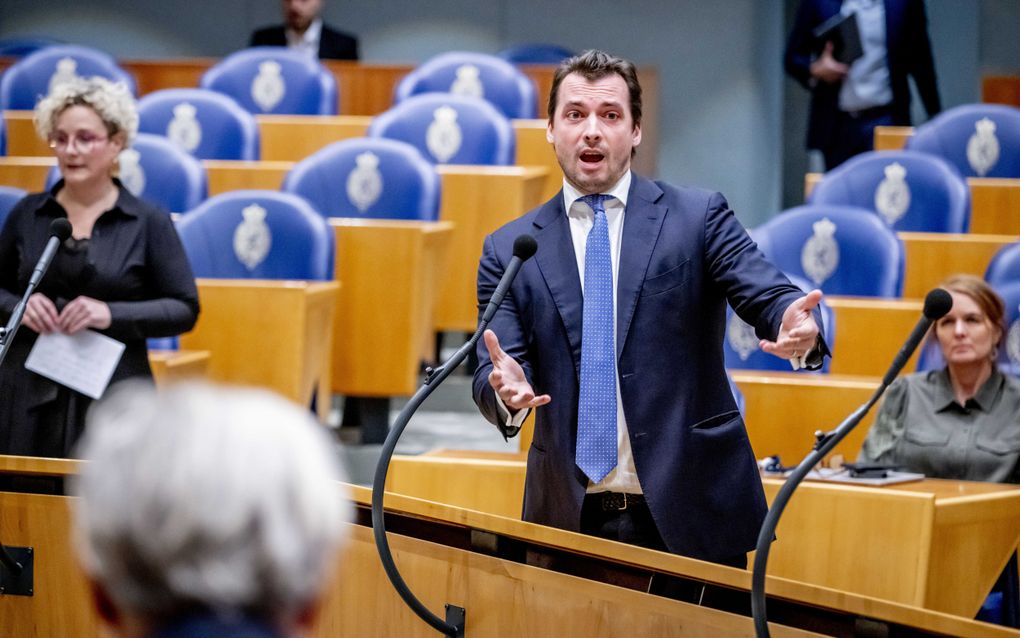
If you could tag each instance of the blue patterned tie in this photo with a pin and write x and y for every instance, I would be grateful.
(596, 406)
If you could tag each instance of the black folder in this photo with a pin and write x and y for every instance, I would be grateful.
(842, 31)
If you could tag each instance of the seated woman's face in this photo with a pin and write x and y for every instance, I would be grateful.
(965, 334)
(84, 149)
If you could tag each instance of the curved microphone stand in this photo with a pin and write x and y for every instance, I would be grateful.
(524, 247)
(936, 304)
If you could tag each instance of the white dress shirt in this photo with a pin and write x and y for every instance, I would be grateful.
(867, 82)
(307, 42)
(623, 477)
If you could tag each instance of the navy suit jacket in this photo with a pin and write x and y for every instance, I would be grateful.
(908, 54)
(683, 255)
(333, 44)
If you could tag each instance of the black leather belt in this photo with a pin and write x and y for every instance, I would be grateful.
(617, 501)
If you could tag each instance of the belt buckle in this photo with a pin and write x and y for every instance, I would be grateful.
(611, 501)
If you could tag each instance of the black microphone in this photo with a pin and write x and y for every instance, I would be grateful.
(60, 230)
(936, 304)
(524, 248)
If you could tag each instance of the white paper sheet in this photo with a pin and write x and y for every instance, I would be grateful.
(83, 362)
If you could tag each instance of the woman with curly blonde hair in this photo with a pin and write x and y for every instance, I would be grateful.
(122, 272)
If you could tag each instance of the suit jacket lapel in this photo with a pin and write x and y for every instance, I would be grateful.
(558, 264)
(641, 225)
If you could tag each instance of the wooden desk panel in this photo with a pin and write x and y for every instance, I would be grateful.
(994, 205)
(292, 138)
(232, 175)
(26, 173)
(271, 334)
(1001, 89)
(478, 200)
(869, 333)
(892, 138)
(171, 366)
(932, 257)
(22, 140)
(388, 273)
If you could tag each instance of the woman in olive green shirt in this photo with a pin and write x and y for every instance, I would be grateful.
(961, 422)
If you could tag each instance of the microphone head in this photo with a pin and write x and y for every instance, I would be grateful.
(937, 303)
(524, 247)
(60, 228)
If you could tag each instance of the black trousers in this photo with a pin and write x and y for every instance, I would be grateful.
(854, 133)
(634, 525)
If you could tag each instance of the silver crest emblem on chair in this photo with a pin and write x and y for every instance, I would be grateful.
(268, 87)
(740, 335)
(983, 147)
(184, 130)
(131, 173)
(443, 137)
(820, 256)
(252, 238)
(67, 70)
(365, 182)
(468, 82)
(892, 197)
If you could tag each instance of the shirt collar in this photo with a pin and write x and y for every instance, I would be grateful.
(618, 191)
(310, 36)
(126, 203)
(985, 397)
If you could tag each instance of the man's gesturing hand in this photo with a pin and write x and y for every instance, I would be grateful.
(508, 380)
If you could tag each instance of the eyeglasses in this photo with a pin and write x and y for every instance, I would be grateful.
(83, 142)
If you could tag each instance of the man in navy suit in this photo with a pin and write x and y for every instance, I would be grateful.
(305, 31)
(683, 475)
(849, 101)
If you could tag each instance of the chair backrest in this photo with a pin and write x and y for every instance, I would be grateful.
(741, 350)
(9, 196)
(980, 140)
(910, 190)
(449, 129)
(274, 80)
(843, 250)
(536, 53)
(254, 234)
(20, 47)
(157, 170)
(475, 75)
(204, 123)
(1009, 352)
(368, 177)
(31, 77)
(1004, 267)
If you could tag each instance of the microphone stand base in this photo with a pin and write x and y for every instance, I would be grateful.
(455, 616)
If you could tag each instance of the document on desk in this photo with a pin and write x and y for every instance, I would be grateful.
(83, 362)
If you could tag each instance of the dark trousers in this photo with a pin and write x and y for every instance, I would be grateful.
(634, 525)
(854, 133)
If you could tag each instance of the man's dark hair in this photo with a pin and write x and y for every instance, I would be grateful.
(594, 65)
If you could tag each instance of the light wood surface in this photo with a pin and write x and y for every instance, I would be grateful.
(932, 257)
(26, 173)
(389, 274)
(503, 596)
(22, 139)
(271, 334)
(478, 200)
(892, 138)
(171, 366)
(869, 333)
(1001, 89)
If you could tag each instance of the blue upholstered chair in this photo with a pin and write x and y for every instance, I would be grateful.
(449, 129)
(253, 234)
(1005, 266)
(537, 53)
(843, 250)
(909, 190)
(740, 347)
(206, 124)
(157, 170)
(9, 196)
(980, 140)
(30, 78)
(20, 47)
(476, 75)
(274, 80)
(368, 177)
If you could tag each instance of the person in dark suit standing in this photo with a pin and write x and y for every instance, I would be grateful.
(613, 333)
(849, 101)
(305, 31)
